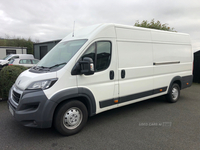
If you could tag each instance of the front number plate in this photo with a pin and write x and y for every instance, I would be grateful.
(11, 111)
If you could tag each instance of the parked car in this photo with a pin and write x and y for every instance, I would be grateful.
(24, 62)
(15, 56)
(8, 58)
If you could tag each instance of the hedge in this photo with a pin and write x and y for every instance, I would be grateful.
(8, 75)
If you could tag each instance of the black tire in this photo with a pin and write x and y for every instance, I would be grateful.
(174, 93)
(70, 118)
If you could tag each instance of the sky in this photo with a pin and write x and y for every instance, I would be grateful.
(47, 20)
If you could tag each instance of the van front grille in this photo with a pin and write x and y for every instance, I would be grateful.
(16, 96)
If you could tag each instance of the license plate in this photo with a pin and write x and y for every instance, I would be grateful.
(11, 111)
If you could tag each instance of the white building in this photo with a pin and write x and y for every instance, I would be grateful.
(6, 50)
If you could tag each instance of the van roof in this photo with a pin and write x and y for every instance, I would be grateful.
(111, 30)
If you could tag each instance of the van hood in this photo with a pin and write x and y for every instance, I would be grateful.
(27, 77)
(3, 62)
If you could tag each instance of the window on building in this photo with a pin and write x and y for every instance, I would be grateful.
(9, 51)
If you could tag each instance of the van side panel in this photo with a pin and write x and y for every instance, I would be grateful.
(151, 60)
(170, 37)
(133, 34)
(171, 57)
(135, 58)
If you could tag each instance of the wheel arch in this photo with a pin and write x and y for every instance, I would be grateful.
(177, 80)
(82, 94)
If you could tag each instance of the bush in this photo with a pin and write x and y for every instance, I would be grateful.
(154, 25)
(8, 75)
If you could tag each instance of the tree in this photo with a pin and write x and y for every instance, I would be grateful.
(154, 25)
(18, 42)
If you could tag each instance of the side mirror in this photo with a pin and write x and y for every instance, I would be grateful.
(86, 67)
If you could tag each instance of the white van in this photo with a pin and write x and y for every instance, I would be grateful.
(99, 68)
(15, 56)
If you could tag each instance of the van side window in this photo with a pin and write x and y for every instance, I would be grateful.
(90, 52)
(103, 55)
(15, 57)
(100, 52)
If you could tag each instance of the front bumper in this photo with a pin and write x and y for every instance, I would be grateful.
(31, 107)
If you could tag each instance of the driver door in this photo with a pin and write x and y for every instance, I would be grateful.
(103, 83)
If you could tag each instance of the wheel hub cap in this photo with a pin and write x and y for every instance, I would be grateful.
(72, 118)
(174, 93)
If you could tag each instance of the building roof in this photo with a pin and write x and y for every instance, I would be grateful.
(13, 47)
(198, 51)
(54, 41)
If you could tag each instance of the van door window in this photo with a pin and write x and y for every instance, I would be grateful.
(100, 52)
(90, 52)
(103, 55)
(15, 57)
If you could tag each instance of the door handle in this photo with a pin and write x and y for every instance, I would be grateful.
(123, 74)
(112, 75)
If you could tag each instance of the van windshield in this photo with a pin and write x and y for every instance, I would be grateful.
(7, 57)
(61, 54)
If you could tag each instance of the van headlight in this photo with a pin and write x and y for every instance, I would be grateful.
(43, 84)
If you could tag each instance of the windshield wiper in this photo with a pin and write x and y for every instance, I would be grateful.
(57, 65)
(41, 68)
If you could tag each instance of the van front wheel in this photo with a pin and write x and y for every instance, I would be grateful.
(71, 117)
(174, 93)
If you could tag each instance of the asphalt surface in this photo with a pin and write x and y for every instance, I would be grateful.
(152, 124)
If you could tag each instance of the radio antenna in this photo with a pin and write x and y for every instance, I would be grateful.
(73, 29)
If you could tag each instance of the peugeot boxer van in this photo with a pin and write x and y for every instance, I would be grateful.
(99, 68)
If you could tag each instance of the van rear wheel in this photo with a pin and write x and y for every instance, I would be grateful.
(174, 93)
(71, 117)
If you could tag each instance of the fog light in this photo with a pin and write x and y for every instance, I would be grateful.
(34, 122)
